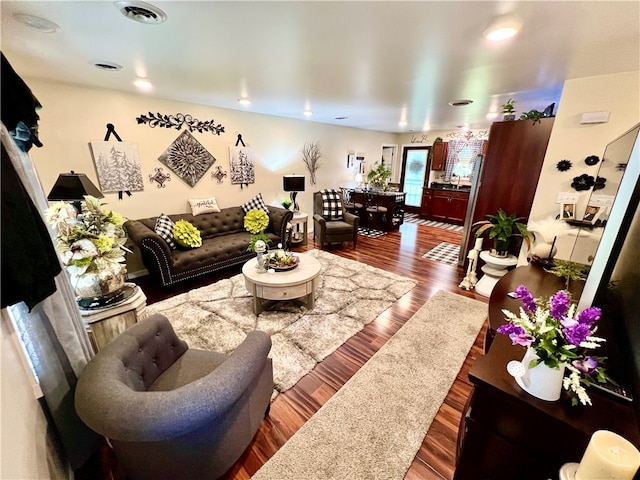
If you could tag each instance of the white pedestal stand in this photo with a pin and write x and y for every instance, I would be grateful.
(493, 270)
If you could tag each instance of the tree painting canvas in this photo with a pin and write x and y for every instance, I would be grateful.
(118, 166)
(187, 158)
(242, 165)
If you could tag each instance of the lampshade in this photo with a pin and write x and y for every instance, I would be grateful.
(73, 187)
(293, 183)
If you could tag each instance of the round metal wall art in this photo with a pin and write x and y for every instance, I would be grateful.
(592, 160)
(564, 165)
(583, 182)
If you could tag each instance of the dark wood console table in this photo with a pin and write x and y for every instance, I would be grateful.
(505, 433)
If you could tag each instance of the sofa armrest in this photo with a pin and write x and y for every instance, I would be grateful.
(351, 218)
(278, 220)
(156, 254)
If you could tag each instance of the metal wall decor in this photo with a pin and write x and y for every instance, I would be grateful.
(311, 157)
(118, 166)
(187, 158)
(591, 160)
(219, 174)
(160, 177)
(583, 182)
(564, 165)
(178, 120)
(469, 135)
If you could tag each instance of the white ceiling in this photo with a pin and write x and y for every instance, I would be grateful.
(374, 62)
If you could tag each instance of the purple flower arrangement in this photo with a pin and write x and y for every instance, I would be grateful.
(559, 337)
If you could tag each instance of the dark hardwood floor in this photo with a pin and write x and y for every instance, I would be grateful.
(399, 252)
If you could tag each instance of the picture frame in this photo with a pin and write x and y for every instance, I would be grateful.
(593, 213)
(567, 211)
(351, 158)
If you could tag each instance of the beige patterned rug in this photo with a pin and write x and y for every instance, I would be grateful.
(350, 295)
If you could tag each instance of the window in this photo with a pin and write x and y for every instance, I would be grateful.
(461, 158)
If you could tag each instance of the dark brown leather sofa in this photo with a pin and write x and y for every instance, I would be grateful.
(224, 243)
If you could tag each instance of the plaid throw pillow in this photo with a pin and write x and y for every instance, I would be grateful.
(164, 228)
(255, 202)
(331, 204)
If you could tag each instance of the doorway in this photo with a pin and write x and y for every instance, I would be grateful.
(415, 167)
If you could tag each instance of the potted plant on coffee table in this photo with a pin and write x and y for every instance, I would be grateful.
(502, 229)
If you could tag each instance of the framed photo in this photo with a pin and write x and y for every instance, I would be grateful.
(593, 213)
(567, 211)
(351, 158)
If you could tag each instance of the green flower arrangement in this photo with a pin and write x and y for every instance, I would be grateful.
(88, 241)
(186, 235)
(256, 222)
(379, 176)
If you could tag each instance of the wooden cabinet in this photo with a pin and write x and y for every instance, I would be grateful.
(448, 206)
(439, 159)
(425, 205)
(505, 433)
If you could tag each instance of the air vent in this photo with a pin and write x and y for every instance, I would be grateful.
(109, 66)
(340, 118)
(460, 103)
(142, 12)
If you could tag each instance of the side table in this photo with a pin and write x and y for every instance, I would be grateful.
(494, 269)
(104, 324)
(299, 235)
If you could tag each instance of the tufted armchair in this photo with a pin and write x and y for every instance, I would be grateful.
(326, 230)
(172, 412)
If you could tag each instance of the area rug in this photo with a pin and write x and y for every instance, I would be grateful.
(415, 218)
(444, 253)
(374, 425)
(371, 232)
(350, 295)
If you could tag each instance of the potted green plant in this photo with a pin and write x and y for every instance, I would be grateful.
(502, 229)
(509, 110)
(286, 204)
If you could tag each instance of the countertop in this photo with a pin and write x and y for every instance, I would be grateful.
(449, 187)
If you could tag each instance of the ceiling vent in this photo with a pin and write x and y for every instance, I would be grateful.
(460, 103)
(108, 66)
(142, 12)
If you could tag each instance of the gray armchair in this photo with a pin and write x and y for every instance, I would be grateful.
(329, 231)
(172, 412)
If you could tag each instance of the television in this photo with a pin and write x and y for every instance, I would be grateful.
(613, 283)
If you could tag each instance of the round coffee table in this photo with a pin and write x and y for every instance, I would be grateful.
(299, 283)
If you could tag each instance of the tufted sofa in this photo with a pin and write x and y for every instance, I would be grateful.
(171, 412)
(224, 243)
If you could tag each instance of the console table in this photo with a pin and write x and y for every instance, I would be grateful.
(505, 433)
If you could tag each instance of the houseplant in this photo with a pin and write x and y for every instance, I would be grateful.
(556, 337)
(286, 204)
(91, 246)
(509, 110)
(378, 177)
(502, 229)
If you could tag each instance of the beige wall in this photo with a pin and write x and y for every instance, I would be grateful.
(618, 94)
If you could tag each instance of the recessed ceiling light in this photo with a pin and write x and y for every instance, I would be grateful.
(244, 101)
(39, 23)
(503, 27)
(141, 12)
(460, 103)
(143, 84)
(109, 66)
(403, 123)
(426, 128)
(307, 113)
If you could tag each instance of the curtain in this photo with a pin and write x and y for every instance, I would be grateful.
(453, 152)
(57, 342)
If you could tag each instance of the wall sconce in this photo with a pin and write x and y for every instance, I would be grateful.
(72, 187)
(293, 184)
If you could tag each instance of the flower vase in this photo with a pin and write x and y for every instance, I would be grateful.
(104, 283)
(540, 381)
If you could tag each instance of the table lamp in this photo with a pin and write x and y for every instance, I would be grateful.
(72, 187)
(293, 184)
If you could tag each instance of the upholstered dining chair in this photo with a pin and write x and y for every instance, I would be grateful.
(331, 222)
(172, 412)
(376, 214)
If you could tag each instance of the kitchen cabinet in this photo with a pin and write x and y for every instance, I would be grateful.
(439, 159)
(425, 205)
(449, 206)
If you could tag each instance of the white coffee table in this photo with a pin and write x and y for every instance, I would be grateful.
(299, 283)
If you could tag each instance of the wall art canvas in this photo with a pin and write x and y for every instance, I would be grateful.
(118, 166)
(242, 164)
(187, 158)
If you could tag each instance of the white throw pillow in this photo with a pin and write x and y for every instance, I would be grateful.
(203, 205)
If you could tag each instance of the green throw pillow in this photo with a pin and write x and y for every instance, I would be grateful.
(186, 235)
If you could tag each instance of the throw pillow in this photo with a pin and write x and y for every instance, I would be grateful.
(203, 205)
(255, 202)
(164, 228)
(331, 204)
(186, 235)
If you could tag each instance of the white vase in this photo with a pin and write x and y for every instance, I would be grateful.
(106, 282)
(540, 381)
